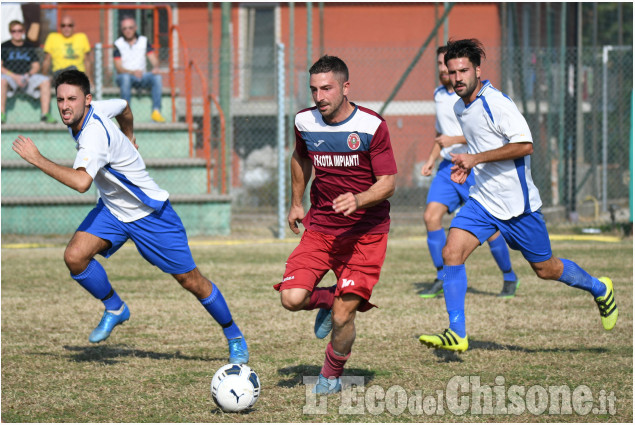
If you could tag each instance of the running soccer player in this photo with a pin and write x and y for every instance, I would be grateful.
(131, 206)
(445, 196)
(503, 197)
(346, 228)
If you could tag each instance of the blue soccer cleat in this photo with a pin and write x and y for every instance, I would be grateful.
(108, 322)
(323, 323)
(238, 352)
(327, 386)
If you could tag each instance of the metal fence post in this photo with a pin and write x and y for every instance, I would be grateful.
(99, 71)
(281, 145)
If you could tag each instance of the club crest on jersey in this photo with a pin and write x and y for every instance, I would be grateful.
(353, 141)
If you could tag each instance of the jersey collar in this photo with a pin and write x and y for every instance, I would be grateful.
(91, 110)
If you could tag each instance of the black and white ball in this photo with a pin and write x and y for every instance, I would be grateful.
(235, 387)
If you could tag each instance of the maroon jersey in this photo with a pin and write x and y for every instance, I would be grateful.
(347, 157)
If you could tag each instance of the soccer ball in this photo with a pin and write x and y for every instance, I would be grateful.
(235, 387)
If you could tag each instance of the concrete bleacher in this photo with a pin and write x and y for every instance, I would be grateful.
(34, 203)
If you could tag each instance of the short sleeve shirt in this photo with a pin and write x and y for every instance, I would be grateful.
(133, 56)
(67, 52)
(115, 165)
(18, 59)
(347, 157)
(504, 188)
(446, 122)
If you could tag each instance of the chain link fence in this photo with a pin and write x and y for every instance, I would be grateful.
(577, 104)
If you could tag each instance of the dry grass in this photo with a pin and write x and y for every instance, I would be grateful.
(157, 367)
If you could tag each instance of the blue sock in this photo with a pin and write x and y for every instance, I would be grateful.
(95, 281)
(454, 290)
(436, 242)
(500, 252)
(216, 306)
(573, 275)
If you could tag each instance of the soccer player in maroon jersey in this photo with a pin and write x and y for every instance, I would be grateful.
(346, 228)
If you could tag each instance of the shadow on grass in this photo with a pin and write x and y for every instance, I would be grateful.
(421, 287)
(297, 373)
(111, 354)
(489, 345)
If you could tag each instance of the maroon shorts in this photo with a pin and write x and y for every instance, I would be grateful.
(355, 260)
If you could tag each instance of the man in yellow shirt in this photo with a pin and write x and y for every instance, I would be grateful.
(67, 50)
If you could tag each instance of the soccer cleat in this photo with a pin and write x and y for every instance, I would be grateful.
(448, 340)
(607, 305)
(108, 322)
(238, 352)
(48, 119)
(3, 118)
(156, 116)
(434, 290)
(509, 289)
(323, 323)
(327, 386)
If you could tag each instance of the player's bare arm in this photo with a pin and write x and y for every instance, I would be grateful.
(426, 170)
(78, 180)
(301, 169)
(126, 124)
(347, 203)
(504, 153)
(443, 140)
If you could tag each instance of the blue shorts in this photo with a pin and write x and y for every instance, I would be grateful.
(444, 191)
(526, 233)
(159, 237)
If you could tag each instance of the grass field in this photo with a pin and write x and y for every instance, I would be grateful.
(158, 366)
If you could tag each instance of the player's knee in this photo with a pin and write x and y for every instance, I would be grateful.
(292, 300)
(342, 318)
(75, 260)
(431, 219)
(451, 256)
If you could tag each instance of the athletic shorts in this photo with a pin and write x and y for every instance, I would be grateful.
(32, 87)
(355, 260)
(526, 233)
(159, 237)
(444, 191)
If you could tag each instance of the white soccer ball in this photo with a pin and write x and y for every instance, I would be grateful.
(235, 387)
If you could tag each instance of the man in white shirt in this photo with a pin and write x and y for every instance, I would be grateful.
(130, 53)
(446, 196)
(503, 197)
(131, 206)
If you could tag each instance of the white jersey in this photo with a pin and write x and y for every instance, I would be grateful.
(446, 122)
(504, 188)
(115, 165)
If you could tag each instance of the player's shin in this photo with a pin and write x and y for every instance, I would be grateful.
(95, 281)
(454, 290)
(217, 307)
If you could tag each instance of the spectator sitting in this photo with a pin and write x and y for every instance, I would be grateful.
(67, 50)
(131, 50)
(20, 66)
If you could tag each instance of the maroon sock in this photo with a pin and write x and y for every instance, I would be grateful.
(333, 364)
(321, 298)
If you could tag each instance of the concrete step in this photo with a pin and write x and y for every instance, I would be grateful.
(166, 140)
(177, 176)
(201, 214)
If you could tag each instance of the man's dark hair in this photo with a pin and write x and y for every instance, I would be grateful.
(467, 48)
(73, 77)
(441, 49)
(330, 64)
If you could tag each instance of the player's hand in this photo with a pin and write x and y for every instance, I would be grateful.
(459, 174)
(25, 147)
(346, 204)
(464, 160)
(444, 141)
(133, 140)
(426, 170)
(296, 214)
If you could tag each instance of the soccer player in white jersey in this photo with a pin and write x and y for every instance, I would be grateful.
(130, 206)
(446, 196)
(503, 196)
